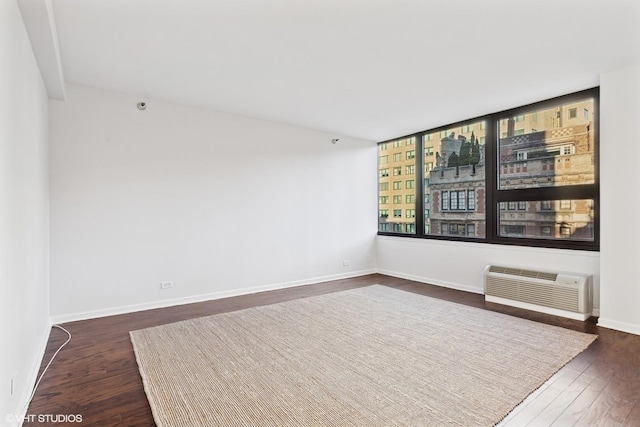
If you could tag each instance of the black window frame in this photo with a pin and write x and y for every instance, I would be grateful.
(494, 196)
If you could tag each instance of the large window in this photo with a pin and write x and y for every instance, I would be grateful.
(526, 176)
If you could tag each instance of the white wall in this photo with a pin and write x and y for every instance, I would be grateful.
(219, 204)
(619, 166)
(24, 212)
(460, 265)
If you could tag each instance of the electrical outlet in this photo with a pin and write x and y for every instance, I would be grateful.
(346, 263)
(166, 285)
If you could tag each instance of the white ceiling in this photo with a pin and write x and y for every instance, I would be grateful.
(374, 69)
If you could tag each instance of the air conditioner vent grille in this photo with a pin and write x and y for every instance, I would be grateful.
(534, 293)
(543, 275)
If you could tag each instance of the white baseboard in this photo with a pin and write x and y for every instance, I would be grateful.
(430, 281)
(619, 326)
(112, 311)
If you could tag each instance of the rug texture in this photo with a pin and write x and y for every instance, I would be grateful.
(372, 356)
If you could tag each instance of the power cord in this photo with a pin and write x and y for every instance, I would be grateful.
(47, 367)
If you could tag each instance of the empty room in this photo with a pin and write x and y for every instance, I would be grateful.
(319, 213)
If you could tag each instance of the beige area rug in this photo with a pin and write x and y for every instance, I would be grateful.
(373, 356)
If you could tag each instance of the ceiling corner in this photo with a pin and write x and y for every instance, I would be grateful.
(40, 23)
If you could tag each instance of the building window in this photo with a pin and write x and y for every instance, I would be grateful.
(471, 229)
(397, 213)
(384, 200)
(397, 171)
(397, 199)
(397, 157)
(383, 186)
(453, 200)
(384, 172)
(445, 200)
(384, 213)
(410, 213)
(397, 185)
(529, 175)
(410, 198)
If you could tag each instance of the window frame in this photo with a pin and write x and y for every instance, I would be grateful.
(494, 196)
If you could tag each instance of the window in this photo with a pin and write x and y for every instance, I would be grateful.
(410, 213)
(462, 200)
(397, 159)
(453, 200)
(471, 200)
(525, 176)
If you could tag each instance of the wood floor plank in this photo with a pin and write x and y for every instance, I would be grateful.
(97, 376)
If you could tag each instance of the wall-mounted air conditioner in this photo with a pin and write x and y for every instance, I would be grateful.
(562, 294)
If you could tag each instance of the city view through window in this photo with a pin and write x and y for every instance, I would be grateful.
(538, 152)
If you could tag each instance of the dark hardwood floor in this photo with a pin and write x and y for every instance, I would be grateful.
(96, 375)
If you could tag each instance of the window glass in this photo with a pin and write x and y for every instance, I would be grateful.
(550, 219)
(547, 148)
(454, 180)
(397, 159)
